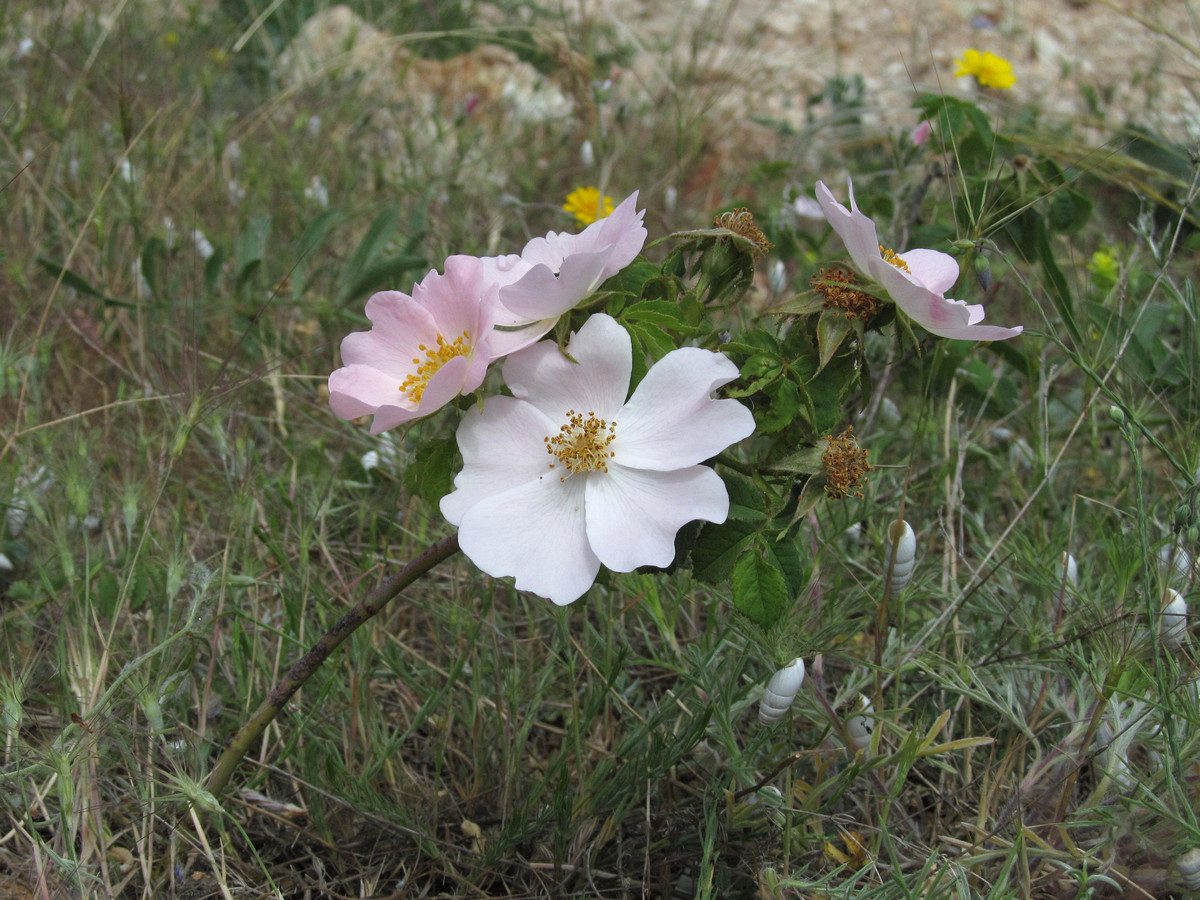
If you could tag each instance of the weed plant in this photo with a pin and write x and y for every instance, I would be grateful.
(186, 238)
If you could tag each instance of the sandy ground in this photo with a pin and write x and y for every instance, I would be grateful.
(1139, 58)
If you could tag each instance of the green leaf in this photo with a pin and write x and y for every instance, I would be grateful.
(368, 250)
(431, 473)
(316, 232)
(656, 312)
(653, 339)
(252, 249)
(78, 282)
(718, 547)
(783, 406)
(154, 251)
(380, 273)
(832, 328)
(759, 590)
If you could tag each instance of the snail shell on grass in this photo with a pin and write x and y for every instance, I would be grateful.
(860, 725)
(1189, 868)
(780, 692)
(900, 556)
(1172, 624)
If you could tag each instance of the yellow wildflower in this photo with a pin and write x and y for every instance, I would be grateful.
(587, 205)
(988, 69)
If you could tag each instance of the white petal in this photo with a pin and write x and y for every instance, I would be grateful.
(536, 533)
(596, 383)
(670, 422)
(633, 514)
(502, 448)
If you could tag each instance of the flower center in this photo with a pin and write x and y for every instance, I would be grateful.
(582, 444)
(414, 385)
(845, 465)
(891, 256)
(836, 286)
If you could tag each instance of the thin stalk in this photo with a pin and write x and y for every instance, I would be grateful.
(308, 664)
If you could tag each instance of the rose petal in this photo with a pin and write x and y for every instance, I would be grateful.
(856, 230)
(502, 448)
(535, 532)
(595, 383)
(633, 515)
(936, 270)
(670, 422)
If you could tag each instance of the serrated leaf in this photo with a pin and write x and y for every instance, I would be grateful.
(786, 557)
(718, 547)
(656, 341)
(759, 590)
(801, 305)
(784, 404)
(656, 312)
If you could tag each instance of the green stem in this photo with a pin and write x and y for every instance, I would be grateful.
(308, 664)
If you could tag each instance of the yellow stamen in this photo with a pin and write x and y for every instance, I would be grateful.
(582, 444)
(414, 385)
(891, 256)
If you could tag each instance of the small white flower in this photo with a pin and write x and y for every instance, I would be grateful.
(24, 46)
(587, 155)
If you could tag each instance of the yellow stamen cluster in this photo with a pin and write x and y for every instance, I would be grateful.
(582, 444)
(845, 465)
(835, 285)
(414, 385)
(891, 256)
(741, 221)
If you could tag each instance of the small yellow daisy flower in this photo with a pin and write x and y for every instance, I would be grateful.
(988, 69)
(586, 205)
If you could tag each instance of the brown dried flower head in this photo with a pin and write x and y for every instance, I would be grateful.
(845, 465)
(741, 221)
(836, 286)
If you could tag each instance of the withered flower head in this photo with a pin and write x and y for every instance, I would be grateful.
(835, 285)
(845, 465)
(741, 221)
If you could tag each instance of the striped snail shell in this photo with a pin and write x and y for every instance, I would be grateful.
(900, 557)
(780, 692)
(860, 725)
(1189, 868)
(1172, 624)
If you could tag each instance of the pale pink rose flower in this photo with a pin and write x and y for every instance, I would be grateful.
(920, 134)
(421, 351)
(567, 475)
(916, 280)
(553, 273)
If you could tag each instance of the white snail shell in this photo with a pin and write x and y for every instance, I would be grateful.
(860, 725)
(780, 691)
(900, 556)
(1067, 562)
(1175, 563)
(1189, 868)
(1172, 624)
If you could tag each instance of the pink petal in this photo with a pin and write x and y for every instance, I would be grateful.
(856, 230)
(633, 515)
(670, 422)
(942, 316)
(595, 383)
(359, 390)
(502, 448)
(548, 292)
(535, 532)
(936, 270)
